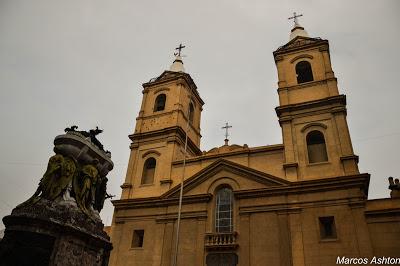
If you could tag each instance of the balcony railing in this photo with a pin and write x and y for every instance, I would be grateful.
(221, 240)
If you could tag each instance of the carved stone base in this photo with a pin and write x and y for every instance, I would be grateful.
(49, 233)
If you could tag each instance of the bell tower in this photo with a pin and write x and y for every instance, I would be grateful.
(311, 112)
(171, 107)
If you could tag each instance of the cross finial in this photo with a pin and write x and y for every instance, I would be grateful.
(295, 16)
(179, 48)
(226, 127)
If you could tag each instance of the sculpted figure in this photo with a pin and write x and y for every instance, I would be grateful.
(101, 194)
(60, 171)
(83, 185)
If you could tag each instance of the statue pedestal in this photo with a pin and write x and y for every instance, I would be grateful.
(50, 233)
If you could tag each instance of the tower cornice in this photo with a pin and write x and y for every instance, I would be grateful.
(300, 43)
(168, 76)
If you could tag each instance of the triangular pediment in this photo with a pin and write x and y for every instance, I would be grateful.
(168, 74)
(246, 177)
(300, 41)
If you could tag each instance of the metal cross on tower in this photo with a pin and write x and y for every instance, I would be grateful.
(295, 16)
(226, 127)
(179, 48)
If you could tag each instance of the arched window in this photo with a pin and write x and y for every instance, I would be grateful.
(316, 147)
(149, 169)
(159, 105)
(304, 72)
(191, 113)
(223, 210)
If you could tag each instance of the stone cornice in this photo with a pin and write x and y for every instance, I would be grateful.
(307, 186)
(163, 113)
(174, 76)
(159, 201)
(306, 84)
(338, 100)
(301, 43)
(249, 151)
(165, 133)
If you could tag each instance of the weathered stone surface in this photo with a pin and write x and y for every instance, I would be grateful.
(53, 234)
(60, 223)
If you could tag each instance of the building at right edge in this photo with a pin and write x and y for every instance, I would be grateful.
(303, 202)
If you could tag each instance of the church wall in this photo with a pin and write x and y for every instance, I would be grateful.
(149, 254)
(159, 237)
(318, 251)
(264, 239)
(280, 229)
(384, 226)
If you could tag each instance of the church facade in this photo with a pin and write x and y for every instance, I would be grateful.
(303, 202)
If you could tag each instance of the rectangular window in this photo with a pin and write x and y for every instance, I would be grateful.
(137, 239)
(327, 227)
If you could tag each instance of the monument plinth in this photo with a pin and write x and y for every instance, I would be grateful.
(60, 223)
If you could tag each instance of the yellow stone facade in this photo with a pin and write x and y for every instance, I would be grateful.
(287, 208)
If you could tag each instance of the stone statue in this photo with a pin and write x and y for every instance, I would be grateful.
(79, 165)
(84, 186)
(394, 186)
(60, 172)
(60, 224)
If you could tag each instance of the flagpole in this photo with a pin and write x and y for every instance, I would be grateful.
(181, 194)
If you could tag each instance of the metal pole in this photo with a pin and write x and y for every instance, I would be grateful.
(181, 195)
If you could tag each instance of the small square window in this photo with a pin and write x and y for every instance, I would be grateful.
(137, 239)
(327, 227)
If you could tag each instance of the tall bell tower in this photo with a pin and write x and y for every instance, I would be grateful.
(311, 112)
(171, 107)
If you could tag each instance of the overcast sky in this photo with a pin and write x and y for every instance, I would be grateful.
(83, 62)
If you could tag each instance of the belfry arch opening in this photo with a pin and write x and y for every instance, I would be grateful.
(191, 113)
(316, 147)
(304, 72)
(159, 104)
(149, 169)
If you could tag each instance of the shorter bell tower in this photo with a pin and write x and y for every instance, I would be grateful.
(171, 108)
(311, 112)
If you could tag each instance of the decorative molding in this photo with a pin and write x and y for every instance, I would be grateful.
(126, 185)
(170, 217)
(307, 186)
(152, 202)
(157, 153)
(170, 76)
(208, 156)
(314, 124)
(324, 48)
(288, 165)
(160, 89)
(300, 43)
(278, 58)
(349, 157)
(161, 133)
(165, 181)
(339, 109)
(306, 84)
(300, 57)
(339, 100)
